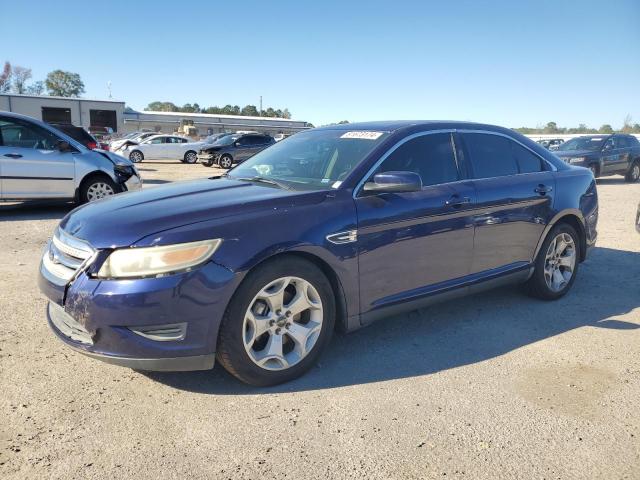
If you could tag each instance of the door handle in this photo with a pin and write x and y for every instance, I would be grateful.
(543, 189)
(456, 201)
(13, 155)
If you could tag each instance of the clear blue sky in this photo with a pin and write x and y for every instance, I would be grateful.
(507, 62)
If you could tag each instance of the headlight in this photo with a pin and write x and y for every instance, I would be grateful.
(155, 261)
(577, 160)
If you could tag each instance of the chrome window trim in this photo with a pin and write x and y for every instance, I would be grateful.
(546, 162)
(358, 187)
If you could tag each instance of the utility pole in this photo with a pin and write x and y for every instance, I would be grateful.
(109, 88)
(260, 105)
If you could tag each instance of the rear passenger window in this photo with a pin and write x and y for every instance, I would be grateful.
(491, 155)
(527, 161)
(430, 156)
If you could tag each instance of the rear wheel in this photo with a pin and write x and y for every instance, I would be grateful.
(277, 323)
(136, 156)
(633, 175)
(225, 161)
(556, 265)
(97, 187)
(190, 157)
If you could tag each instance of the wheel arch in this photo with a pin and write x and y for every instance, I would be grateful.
(89, 176)
(327, 270)
(573, 218)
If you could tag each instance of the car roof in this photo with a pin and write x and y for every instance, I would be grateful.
(394, 125)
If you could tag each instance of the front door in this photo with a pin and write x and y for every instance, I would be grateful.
(413, 244)
(515, 196)
(31, 164)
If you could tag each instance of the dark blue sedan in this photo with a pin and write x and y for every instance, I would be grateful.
(331, 228)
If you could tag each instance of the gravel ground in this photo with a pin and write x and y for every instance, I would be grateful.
(492, 386)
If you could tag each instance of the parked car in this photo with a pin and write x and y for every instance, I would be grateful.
(38, 161)
(604, 154)
(79, 134)
(332, 227)
(551, 143)
(161, 147)
(133, 139)
(234, 149)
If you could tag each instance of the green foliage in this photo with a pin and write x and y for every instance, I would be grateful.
(606, 128)
(247, 110)
(64, 84)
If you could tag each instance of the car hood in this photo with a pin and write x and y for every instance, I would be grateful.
(122, 220)
(574, 153)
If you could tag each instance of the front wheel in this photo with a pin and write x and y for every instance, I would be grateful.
(190, 157)
(225, 161)
(633, 175)
(136, 156)
(277, 323)
(97, 187)
(556, 265)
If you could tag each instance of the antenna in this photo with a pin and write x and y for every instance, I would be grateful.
(109, 88)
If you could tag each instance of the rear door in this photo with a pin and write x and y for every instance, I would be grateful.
(417, 243)
(31, 164)
(515, 190)
(622, 148)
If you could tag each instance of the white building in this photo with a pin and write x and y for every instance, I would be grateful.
(111, 113)
(77, 111)
(207, 124)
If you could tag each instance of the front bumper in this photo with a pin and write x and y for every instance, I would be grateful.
(133, 184)
(106, 319)
(207, 157)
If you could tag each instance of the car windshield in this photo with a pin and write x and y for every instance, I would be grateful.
(224, 141)
(582, 143)
(312, 159)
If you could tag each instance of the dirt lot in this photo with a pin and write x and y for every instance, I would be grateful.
(493, 386)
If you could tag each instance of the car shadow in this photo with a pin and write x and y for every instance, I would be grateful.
(157, 182)
(454, 334)
(615, 180)
(35, 210)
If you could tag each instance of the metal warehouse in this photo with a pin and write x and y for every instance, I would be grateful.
(78, 111)
(207, 124)
(113, 114)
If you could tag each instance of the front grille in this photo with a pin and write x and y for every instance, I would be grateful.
(64, 256)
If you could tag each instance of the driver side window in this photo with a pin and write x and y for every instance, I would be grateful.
(430, 156)
(18, 134)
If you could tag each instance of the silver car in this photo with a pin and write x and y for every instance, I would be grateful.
(38, 161)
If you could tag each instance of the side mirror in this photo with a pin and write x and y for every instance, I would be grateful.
(394, 182)
(607, 147)
(63, 146)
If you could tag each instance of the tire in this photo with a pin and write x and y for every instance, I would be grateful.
(96, 187)
(136, 156)
(633, 175)
(208, 163)
(244, 344)
(190, 157)
(595, 170)
(543, 283)
(225, 161)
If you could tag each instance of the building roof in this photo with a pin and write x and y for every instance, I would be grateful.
(212, 115)
(48, 97)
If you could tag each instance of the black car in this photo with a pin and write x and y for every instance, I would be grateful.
(234, 149)
(79, 134)
(604, 154)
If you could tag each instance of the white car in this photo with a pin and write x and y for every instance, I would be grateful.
(134, 137)
(173, 147)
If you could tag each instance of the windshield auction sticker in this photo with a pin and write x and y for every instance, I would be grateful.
(362, 134)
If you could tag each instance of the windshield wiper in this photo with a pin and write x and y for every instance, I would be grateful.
(260, 179)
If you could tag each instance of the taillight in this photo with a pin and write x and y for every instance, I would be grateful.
(104, 146)
(92, 145)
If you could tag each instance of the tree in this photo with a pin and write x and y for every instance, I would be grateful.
(250, 111)
(606, 128)
(162, 107)
(20, 77)
(64, 84)
(626, 124)
(5, 78)
(286, 113)
(551, 127)
(36, 88)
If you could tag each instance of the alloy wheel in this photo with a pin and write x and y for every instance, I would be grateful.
(191, 157)
(135, 157)
(99, 190)
(283, 323)
(560, 262)
(225, 162)
(635, 172)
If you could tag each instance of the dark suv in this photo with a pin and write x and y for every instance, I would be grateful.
(234, 149)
